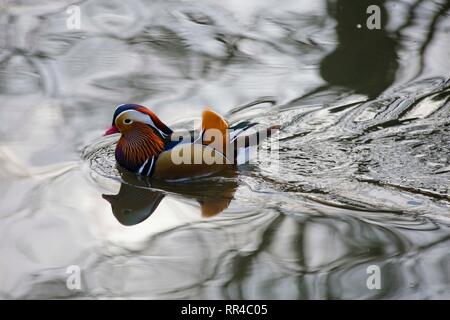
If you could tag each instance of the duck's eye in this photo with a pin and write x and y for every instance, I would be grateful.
(127, 121)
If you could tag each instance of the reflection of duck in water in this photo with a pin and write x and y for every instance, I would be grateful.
(132, 205)
(135, 202)
(150, 148)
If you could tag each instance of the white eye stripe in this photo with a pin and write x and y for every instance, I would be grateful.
(132, 115)
(151, 122)
(154, 126)
(124, 112)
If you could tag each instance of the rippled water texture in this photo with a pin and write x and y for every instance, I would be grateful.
(362, 175)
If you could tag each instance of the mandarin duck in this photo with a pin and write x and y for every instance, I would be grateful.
(148, 147)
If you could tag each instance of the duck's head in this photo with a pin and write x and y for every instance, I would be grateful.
(143, 135)
(131, 117)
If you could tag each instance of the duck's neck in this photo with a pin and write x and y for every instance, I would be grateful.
(135, 147)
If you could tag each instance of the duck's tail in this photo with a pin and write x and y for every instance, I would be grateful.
(245, 145)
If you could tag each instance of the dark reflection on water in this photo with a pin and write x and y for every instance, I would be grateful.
(361, 177)
(365, 59)
(139, 197)
(133, 205)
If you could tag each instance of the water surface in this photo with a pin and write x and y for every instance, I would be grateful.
(361, 177)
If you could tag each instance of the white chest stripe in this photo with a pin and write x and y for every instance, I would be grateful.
(151, 166)
(146, 168)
